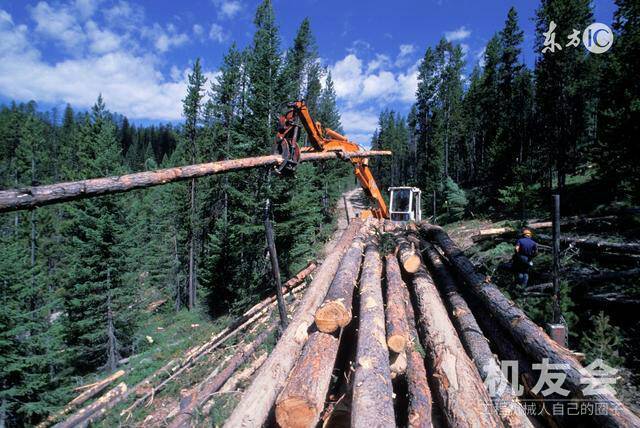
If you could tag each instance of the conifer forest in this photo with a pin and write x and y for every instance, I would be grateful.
(136, 280)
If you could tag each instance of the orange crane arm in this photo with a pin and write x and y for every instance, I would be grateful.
(325, 139)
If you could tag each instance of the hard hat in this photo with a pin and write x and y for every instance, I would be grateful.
(527, 232)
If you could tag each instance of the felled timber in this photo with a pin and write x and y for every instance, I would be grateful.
(95, 410)
(594, 245)
(372, 402)
(145, 388)
(302, 400)
(88, 391)
(409, 258)
(259, 398)
(459, 390)
(31, 197)
(536, 343)
(335, 311)
(506, 404)
(419, 411)
(214, 384)
(396, 317)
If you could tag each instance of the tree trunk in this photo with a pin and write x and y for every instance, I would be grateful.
(303, 398)
(397, 330)
(587, 244)
(335, 311)
(90, 391)
(459, 390)
(257, 401)
(209, 387)
(35, 196)
(419, 413)
(530, 336)
(192, 244)
(372, 391)
(95, 410)
(506, 404)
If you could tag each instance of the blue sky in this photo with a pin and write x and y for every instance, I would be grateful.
(137, 53)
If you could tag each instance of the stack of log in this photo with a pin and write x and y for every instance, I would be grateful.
(414, 338)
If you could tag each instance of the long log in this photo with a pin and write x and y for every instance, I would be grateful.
(257, 401)
(590, 244)
(96, 409)
(372, 404)
(90, 391)
(31, 197)
(504, 401)
(302, 399)
(530, 336)
(459, 390)
(419, 411)
(205, 391)
(335, 311)
(397, 329)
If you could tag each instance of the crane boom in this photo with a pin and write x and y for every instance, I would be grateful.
(324, 140)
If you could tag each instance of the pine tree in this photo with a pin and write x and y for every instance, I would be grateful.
(563, 101)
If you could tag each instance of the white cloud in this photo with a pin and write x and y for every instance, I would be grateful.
(102, 41)
(380, 61)
(124, 15)
(198, 30)
(359, 121)
(131, 84)
(86, 8)
(165, 39)
(217, 34)
(354, 86)
(227, 8)
(404, 56)
(58, 24)
(457, 34)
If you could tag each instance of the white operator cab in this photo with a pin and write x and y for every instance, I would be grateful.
(405, 204)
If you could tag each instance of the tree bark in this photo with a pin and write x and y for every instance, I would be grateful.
(419, 412)
(96, 409)
(90, 391)
(506, 404)
(459, 390)
(335, 311)
(372, 404)
(257, 401)
(303, 397)
(35, 196)
(214, 384)
(531, 337)
(397, 329)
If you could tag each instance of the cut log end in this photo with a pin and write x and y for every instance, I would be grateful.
(332, 316)
(397, 343)
(295, 412)
(412, 263)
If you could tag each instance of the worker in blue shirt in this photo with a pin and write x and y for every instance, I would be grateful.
(526, 250)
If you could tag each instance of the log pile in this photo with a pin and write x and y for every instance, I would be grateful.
(377, 341)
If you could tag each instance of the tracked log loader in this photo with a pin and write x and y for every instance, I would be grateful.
(405, 201)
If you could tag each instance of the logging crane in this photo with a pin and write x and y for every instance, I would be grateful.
(405, 201)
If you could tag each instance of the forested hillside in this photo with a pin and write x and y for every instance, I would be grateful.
(77, 277)
(509, 134)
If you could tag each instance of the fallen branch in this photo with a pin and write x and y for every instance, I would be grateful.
(95, 410)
